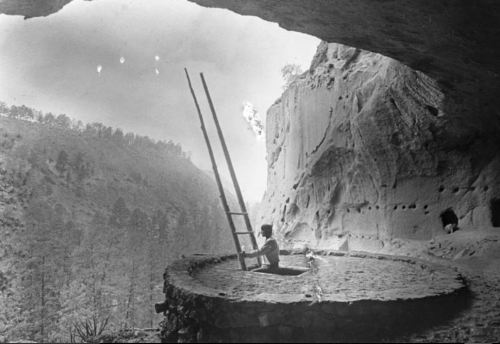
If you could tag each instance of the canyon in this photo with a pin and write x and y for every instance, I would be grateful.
(395, 137)
(388, 144)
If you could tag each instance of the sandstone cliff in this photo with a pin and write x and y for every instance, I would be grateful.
(362, 149)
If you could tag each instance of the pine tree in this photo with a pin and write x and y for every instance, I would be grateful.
(44, 273)
(62, 161)
(119, 214)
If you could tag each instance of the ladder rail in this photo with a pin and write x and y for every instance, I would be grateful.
(231, 168)
(217, 178)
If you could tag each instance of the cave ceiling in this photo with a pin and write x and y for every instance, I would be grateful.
(453, 41)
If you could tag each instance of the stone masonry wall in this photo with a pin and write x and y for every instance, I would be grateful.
(195, 313)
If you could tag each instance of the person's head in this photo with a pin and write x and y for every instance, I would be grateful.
(266, 231)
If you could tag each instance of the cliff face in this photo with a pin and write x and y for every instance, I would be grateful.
(363, 145)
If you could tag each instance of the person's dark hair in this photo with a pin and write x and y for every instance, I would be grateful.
(267, 230)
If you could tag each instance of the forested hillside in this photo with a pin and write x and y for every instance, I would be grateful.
(89, 219)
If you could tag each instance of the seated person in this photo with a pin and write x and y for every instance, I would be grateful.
(270, 249)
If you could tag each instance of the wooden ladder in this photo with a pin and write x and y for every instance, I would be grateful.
(229, 214)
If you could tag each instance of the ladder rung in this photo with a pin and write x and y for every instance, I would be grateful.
(242, 207)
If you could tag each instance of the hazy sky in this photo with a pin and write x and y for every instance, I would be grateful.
(51, 63)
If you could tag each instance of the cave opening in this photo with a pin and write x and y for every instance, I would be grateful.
(495, 212)
(448, 217)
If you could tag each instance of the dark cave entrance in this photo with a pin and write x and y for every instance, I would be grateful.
(495, 212)
(449, 217)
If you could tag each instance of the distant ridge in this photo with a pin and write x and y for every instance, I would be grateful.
(89, 218)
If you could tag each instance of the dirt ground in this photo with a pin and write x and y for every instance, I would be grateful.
(477, 257)
(474, 254)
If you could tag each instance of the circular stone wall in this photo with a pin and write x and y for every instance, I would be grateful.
(342, 297)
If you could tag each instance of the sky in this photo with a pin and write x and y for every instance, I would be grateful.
(51, 64)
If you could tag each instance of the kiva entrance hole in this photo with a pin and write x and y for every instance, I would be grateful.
(283, 271)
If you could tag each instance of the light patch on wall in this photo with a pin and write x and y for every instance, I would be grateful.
(253, 119)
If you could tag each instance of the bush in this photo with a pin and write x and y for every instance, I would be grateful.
(88, 330)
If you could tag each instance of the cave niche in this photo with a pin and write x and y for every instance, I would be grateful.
(495, 212)
(449, 217)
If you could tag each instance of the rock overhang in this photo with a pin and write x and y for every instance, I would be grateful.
(452, 41)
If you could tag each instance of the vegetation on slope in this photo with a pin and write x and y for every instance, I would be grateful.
(89, 218)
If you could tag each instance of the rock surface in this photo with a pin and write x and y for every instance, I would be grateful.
(362, 149)
(32, 8)
(480, 323)
(451, 41)
(454, 42)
